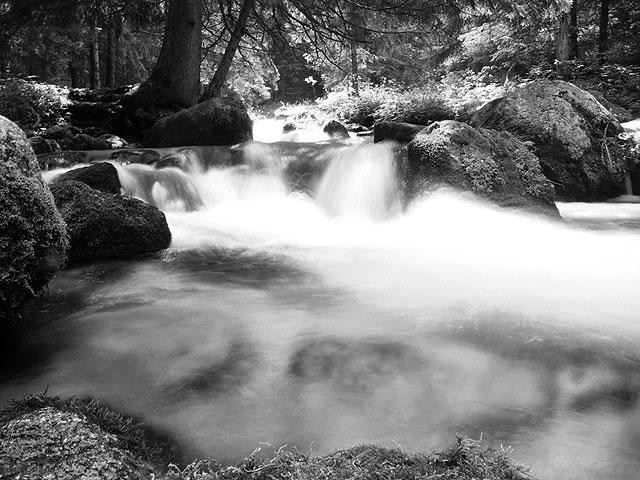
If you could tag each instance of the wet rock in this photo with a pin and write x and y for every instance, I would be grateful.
(113, 141)
(33, 238)
(42, 145)
(136, 156)
(359, 365)
(494, 165)
(59, 132)
(48, 443)
(335, 129)
(104, 226)
(101, 176)
(84, 142)
(574, 136)
(219, 121)
(289, 127)
(396, 131)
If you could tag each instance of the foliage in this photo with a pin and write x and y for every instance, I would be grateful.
(466, 461)
(31, 103)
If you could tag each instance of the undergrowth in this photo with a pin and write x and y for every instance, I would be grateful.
(467, 461)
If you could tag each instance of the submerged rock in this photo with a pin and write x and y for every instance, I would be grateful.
(102, 176)
(494, 165)
(219, 121)
(336, 130)
(103, 226)
(575, 137)
(33, 238)
(396, 131)
(48, 443)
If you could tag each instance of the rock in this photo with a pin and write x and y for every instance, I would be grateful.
(336, 130)
(219, 121)
(33, 238)
(58, 132)
(48, 443)
(573, 134)
(494, 165)
(621, 113)
(396, 131)
(136, 156)
(101, 176)
(113, 141)
(289, 127)
(42, 145)
(84, 142)
(104, 226)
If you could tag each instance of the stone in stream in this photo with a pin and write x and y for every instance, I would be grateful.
(33, 237)
(494, 165)
(574, 136)
(48, 443)
(218, 121)
(335, 129)
(397, 131)
(103, 226)
(102, 176)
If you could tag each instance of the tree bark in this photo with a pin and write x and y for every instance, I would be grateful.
(94, 57)
(573, 29)
(603, 36)
(217, 82)
(177, 69)
(111, 53)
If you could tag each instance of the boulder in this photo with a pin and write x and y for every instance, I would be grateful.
(396, 131)
(101, 176)
(336, 130)
(218, 121)
(289, 127)
(103, 226)
(33, 237)
(43, 145)
(113, 141)
(494, 165)
(48, 443)
(574, 136)
(84, 142)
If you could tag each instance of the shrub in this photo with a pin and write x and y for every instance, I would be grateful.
(32, 104)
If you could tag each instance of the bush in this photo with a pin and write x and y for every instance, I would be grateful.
(32, 104)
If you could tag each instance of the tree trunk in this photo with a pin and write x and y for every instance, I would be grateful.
(573, 29)
(4, 56)
(178, 65)
(111, 53)
(603, 37)
(94, 57)
(354, 68)
(215, 87)
(564, 52)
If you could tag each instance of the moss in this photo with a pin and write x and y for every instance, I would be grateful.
(466, 461)
(151, 445)
(33, 238)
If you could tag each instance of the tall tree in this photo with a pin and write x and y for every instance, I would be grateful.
(217, 82)
(177, 70)
(603, 36)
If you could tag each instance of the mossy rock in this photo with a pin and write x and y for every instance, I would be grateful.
(218, 121)
(103, 226)
(396, 131)
(494, 165)
(574, 136)
(101, 176)
(33, 237)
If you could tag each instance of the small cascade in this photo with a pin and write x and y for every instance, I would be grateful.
(361, 183)
(166, 188)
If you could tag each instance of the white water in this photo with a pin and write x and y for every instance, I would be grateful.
(337, 319)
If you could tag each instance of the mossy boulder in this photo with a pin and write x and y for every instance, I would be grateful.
(103, 226)
(335, 129)
(101, 176)
(396, 131)
(574, 136)
(219, 121)
(48, 443)
(33, 237)
(494, 165)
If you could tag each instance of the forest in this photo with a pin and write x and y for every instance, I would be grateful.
(319, 239)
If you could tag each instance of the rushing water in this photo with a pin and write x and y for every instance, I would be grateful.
(335, 317)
